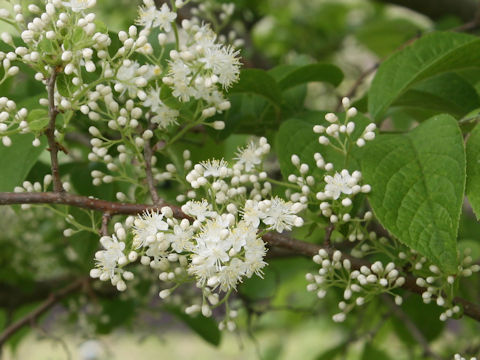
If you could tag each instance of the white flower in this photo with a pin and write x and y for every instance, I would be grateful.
(250, 156)
(280, 215)
(163, 115)
(339, 183)
(146, 16)
(181, 239)
(241, 234)
(224, 62)
(231, 274)
(150, 17)
(107, 259)
(199, 210)
(181, 76)
(255, 251)
(79, 5)
(126, 75)
(164, 18)
(215, 168)
(146, 228)
(251, 213)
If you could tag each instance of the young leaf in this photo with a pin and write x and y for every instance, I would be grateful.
(473, 170)
(433, 54)
(37, 119)
(418, 183)
(17, 160)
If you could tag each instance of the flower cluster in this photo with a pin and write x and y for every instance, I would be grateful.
(336, 192)
(460, 357)
(219, 242)
(359, 286)
(12, 120)
(215, 250)
(339, 133)
(439, 287)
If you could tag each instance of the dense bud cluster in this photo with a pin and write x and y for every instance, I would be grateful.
(359, 286)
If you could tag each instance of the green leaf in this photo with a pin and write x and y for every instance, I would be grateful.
(259, 82)
(64, 84)
(46, 46)
(473, 170)
(433, 54)
(385, 35)
(334, 352)
(37, 119)
(423, 316)
(207, 328)
(17, 160)
(313, 72)
(444, 93)
(371, 352)
(418, 182)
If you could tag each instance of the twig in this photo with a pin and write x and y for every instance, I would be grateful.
(414, 331)
(273, 239)
(44, 307)
(105, 219)
(50, 132)
(148, 153)
(328, 235)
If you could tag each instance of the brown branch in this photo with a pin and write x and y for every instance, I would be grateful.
(328, 235)
(50, 132)
(273, 239)
(41, 309)
(353, 90)
(414, 330)
(114, 208)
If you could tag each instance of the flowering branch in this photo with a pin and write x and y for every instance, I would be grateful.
(44, 307)
(273, 239)
(50, 131)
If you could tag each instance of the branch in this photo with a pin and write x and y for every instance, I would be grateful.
(105, 219)
(147, 154)
(44, 307)
(273, 239)
(50, 132)
(114, 208)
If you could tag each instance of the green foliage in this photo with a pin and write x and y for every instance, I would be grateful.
(309, 73)
(205, 327)
(17, 160)
(418, 182)
(372, 352)
(445, 93)
(433, 54)
(473, 169)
